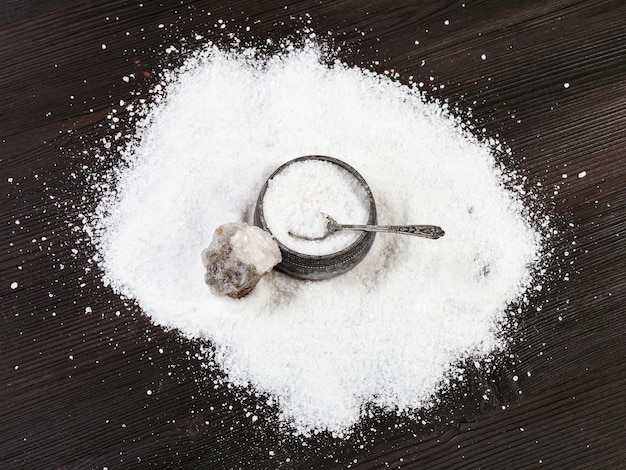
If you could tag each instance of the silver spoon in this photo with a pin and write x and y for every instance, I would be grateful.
(332, 226)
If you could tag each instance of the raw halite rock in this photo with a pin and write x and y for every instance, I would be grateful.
(237, 258)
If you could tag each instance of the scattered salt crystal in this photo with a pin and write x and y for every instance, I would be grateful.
(104, 46)
(566, 85)
(14, 285)
(582, 174)
(483, 56)
(387, 332)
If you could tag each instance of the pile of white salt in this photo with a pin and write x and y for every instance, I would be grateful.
(387, 332)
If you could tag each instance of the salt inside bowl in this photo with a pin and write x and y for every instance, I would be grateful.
(296, 198)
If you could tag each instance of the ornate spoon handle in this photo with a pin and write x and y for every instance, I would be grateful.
(426, 231)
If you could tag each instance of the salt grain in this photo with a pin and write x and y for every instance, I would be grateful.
(387, 332)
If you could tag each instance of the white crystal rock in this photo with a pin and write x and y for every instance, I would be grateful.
(238, 257)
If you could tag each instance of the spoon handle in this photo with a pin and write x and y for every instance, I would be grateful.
(426, 231)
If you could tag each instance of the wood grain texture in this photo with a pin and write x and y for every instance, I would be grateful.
(77, 363)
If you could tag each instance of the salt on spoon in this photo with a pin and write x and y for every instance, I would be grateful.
(425, 231)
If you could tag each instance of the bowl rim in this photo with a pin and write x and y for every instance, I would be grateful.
(372, 219)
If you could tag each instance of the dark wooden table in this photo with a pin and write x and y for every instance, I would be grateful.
(76, 363)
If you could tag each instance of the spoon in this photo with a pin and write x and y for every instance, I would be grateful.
(332, 226)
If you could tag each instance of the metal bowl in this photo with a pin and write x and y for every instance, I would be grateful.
(318, 267)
